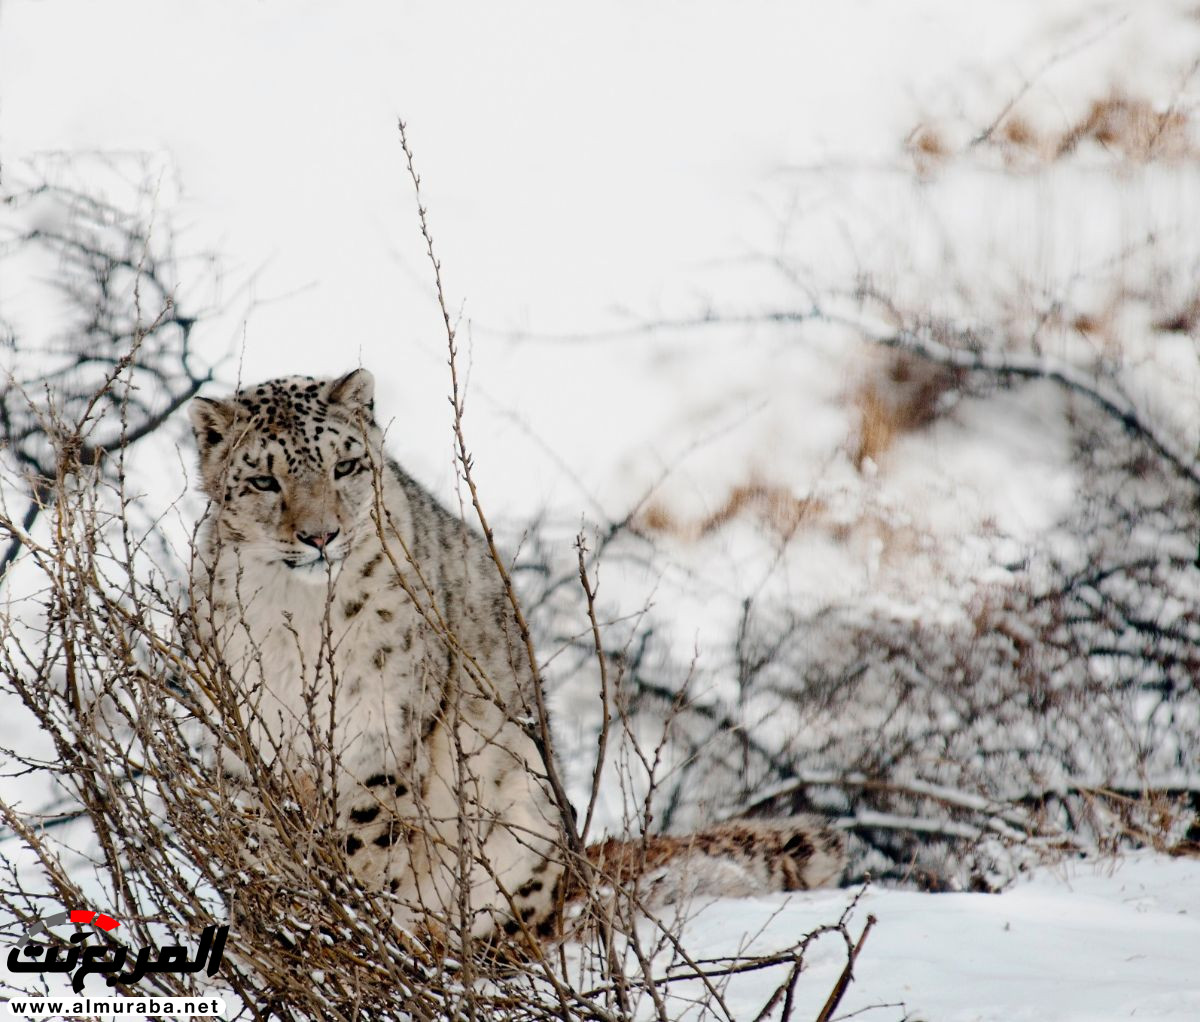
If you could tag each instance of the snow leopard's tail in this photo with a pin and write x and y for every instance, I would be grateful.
(736, 859)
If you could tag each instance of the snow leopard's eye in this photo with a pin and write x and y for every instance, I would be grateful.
(344, 467)
(267, 484)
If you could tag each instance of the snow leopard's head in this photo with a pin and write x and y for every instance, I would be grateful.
(288, 465)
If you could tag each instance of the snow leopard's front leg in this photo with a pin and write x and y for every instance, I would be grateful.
(470, 842)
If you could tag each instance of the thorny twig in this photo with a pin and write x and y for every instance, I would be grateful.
(839, 989)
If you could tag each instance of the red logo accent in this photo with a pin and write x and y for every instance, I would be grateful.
(83, 917)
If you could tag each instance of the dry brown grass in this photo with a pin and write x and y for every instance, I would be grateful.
(772, 505)
(928, 148)
(1183, 319)
(1016, 130)
(901, 394)
(1133, 128)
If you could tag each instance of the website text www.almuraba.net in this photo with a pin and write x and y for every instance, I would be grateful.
(115, 1007)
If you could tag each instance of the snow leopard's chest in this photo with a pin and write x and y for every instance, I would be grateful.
(353, 650)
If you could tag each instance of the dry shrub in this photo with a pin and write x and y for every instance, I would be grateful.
(1125, 126)
(1184, 318)
(900, 394)
(104, 655)
(1017, 131)
(1022, 146)
(1132, 128)
(1098, 322)
(962, 751)
(124, 804)
(1089, 323)
(655, 517)
(1053, 712)
(771, 505)
(928, 148)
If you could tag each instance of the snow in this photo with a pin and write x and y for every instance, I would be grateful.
(591, 173)
(1086, 942)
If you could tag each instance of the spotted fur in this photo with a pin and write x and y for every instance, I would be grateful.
(738, 858)
(306, 598)
(307, 583)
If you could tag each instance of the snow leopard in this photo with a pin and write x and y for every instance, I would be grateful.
(345, 601)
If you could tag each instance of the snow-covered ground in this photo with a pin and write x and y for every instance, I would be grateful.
(589, 173)
(1088, 942)
(1085, 942)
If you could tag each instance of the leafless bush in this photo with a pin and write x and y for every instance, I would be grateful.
(122, 362)
(118, 796)
(1053, 710)
(1055, 714)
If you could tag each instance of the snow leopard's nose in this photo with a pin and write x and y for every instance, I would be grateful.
(320, 540)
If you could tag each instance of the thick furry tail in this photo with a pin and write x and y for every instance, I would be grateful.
(736, 859)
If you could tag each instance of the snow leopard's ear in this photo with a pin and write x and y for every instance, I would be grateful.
(211, 421)
(355, 390)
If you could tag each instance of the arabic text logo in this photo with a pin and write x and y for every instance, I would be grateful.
(47, 953)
